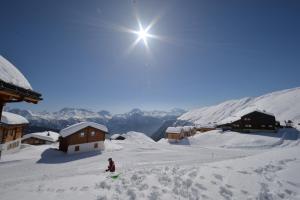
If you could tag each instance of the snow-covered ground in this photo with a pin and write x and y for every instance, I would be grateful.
(213, 165)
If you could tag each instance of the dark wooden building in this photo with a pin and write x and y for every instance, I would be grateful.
(82, 137)
(253, 121)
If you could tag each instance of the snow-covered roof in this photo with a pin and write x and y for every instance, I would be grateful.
(115, 136)
(46, 135)
(76, 127)
(12, 119)
(238, 115)
(178, 129)
(10, 74)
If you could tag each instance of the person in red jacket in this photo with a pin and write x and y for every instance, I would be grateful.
(111, 165)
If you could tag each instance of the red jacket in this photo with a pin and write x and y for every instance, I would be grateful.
(111, 167)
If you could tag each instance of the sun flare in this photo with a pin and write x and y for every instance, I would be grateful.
(143, 35)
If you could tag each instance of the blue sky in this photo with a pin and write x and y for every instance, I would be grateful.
(209, 51)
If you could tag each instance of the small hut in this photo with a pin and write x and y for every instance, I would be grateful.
(82, 137)
(46, 137)
(11, 131)
(174, 134)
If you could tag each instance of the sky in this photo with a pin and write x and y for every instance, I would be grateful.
(79, 53)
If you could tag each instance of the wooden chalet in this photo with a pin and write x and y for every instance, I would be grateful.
(14, 87)
(82, 137)
(202, 128)
(254, 121)
(174, 134)
(11, 131)
(46, 137)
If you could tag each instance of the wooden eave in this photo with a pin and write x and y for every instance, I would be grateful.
(12, 93)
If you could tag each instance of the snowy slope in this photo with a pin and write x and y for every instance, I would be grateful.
(150, 170)
(285, 105)
(10, 74)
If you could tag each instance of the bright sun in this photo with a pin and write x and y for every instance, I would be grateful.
(143, 35)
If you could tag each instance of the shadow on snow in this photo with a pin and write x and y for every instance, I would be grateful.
(54, 156)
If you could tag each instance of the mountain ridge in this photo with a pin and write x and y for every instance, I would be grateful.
(284, 104)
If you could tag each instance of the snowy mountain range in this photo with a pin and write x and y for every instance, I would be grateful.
(134, 120)
(284, 104)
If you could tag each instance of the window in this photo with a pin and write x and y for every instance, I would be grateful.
(93, 133)
(270, 126)
(247, 119)
(76, 148)
(263, 126)
(96, 145)
(82, 134)
(248, 125)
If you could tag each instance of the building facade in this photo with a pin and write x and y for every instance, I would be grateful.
(82, 137)
(254, 121)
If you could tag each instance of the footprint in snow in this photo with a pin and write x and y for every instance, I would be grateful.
(214, 182)
(289, 192)
(84, 188)
(226, 193)
(229, 186)
(294, 184)
(193, 174)
(73, 188)
(200, 186)
(60, 190)
(219, 177)
(244, 191)
(243, 172)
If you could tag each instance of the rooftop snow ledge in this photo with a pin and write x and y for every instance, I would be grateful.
(10, 74)
(12, 119)
(77, 127)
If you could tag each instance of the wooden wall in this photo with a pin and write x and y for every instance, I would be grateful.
(10, 133)
(174, 136)
(34, 141)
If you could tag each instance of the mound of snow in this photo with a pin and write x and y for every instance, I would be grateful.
(285, 105)
(10, 74)
(137, 137)
(112, 146)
